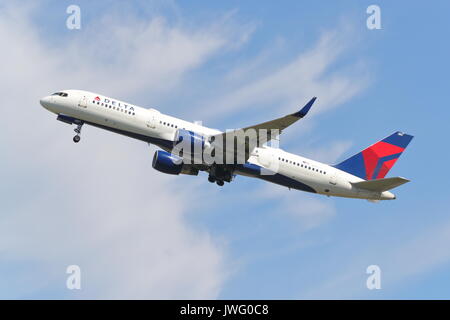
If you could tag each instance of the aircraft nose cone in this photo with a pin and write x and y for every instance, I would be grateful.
(45, 101)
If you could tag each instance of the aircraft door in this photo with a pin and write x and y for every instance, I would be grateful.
(151, 122)
(264, 157)
(333, 179)
(83, 102)
(268, 160)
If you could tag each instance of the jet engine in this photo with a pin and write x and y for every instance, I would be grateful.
(171, 164)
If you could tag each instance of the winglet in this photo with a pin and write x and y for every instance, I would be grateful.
(305, 109)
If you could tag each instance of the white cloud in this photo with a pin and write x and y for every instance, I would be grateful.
(98, 204)
(407, 256)
(308, 211)
(310, 73)
(329, 153)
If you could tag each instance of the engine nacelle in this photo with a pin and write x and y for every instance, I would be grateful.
(189, 142)
(167, 163)
(171, 164)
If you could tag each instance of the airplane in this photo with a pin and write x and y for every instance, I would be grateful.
(361, 176)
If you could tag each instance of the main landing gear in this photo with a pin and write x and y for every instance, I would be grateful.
(220, 174)
(77, 138)
(213, 179)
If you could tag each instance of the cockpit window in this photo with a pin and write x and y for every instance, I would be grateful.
(61, 94)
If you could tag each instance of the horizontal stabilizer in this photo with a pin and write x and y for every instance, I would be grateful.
(380, 185)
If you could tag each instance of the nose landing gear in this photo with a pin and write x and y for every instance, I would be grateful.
(77, 138)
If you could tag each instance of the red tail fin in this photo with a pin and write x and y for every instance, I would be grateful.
(376, 161)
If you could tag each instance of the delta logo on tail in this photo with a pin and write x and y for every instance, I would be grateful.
(376, 161)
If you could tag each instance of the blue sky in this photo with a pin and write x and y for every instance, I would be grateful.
(136, 233)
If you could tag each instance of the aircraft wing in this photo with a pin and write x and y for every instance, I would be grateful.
(259, 134)
(282, 123)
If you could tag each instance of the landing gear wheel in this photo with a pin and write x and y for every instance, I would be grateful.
(76, 139)
(211, 179)
(77, 130)
(220, 183)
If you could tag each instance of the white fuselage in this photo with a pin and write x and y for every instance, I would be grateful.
(134, 121)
